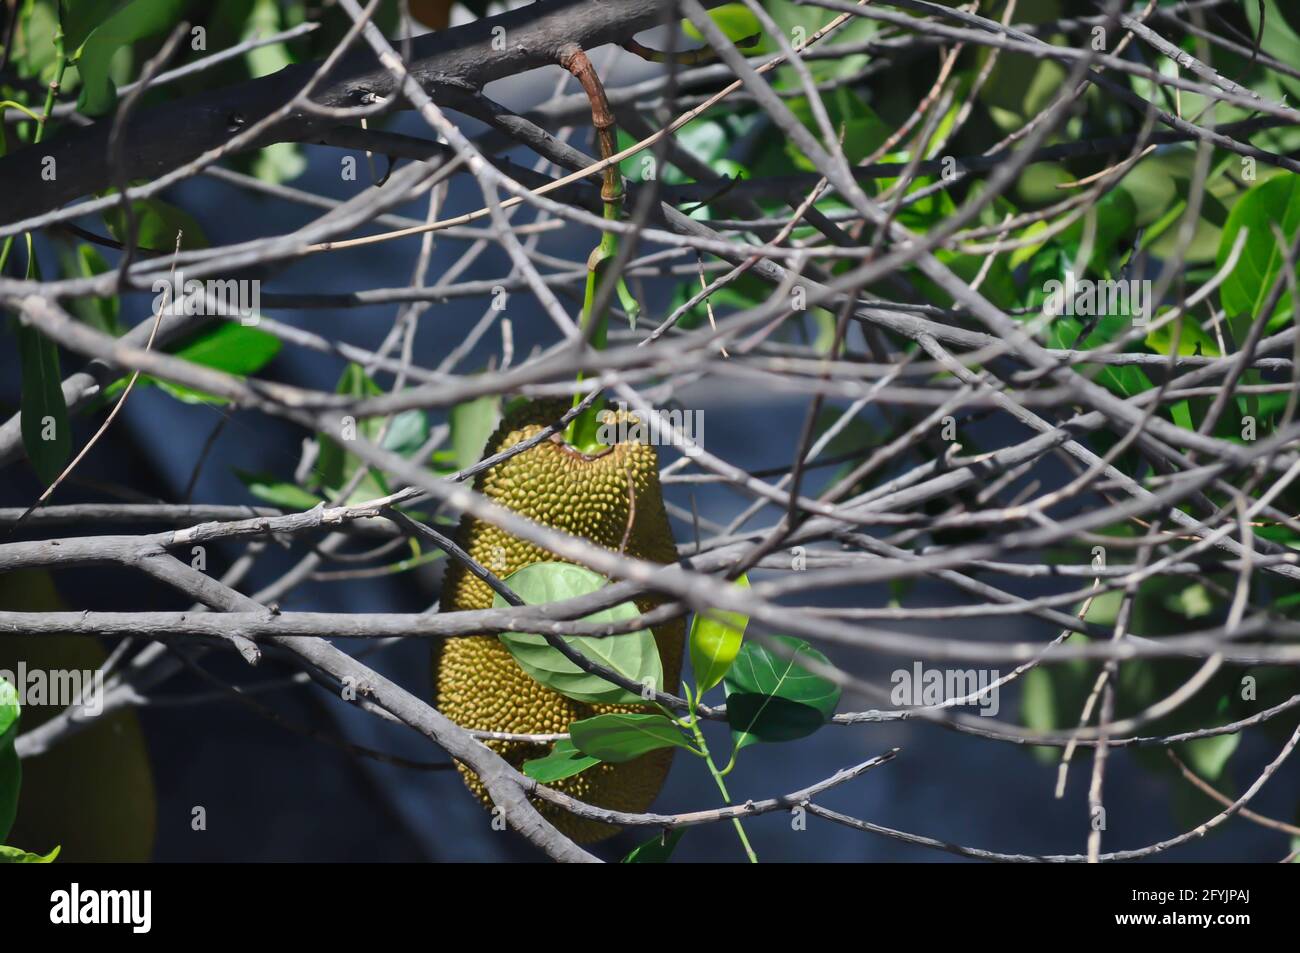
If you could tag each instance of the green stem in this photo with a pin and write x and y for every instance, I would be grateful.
(717, 778)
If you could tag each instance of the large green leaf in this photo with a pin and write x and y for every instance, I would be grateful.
(715, 640)
(770, 698)
(80, 17)
(633, 655)
(233, 348)
(11, 772)
(129, 22)
(621, 737)
(1275, 203)
(226, 346)
(564, 761)
(229, 347)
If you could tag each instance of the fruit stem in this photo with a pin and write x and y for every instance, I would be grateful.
(583, 430)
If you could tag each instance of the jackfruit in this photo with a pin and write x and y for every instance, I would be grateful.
(478, 684)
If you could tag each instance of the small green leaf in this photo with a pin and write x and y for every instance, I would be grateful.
(621, 737)
(633, 655)
(98, 312)
(12, 855)
(1193, 602)
(11, 772)
(564, 761)
(288, 496)
(715, 640)
(407, 432)
(657, 850)
(733, 19)
(1209, 756)
(770, 698)
(334, 465)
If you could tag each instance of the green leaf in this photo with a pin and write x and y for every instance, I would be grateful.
(11, 772)
(633, 655)
(229, 347)
(715, 640)
(1243, 293)
(288, 496)
(128, 23)
(657, 850)
(80, 17)
(265, 20)
(44, 412)
(733, 19)
(1193, 602)
(1281, 40)
(564, 761)
(12, 855)
(33, 51)
(472, 422)
(770, 698)
(280, 161)
(99, 312)
(407, 432)
(157, 225)
(618, 738)
(334, 465)
(1209, 756)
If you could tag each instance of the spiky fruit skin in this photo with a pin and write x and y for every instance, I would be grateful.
(478, 683)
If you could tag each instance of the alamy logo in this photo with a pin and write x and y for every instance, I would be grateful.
(1090, 298)
(228, 298)
(64, 687)
(73, 906)
(921, 687)
(660, 428)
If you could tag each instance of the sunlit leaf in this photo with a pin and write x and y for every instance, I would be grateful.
(770, 698)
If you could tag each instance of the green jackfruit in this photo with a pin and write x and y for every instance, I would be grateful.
(478, 684)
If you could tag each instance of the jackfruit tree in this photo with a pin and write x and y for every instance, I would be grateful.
(361, 356)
